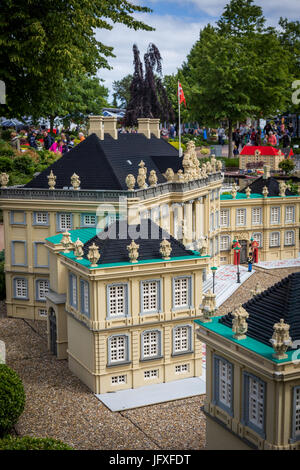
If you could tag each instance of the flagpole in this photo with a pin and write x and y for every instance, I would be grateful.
(179, 127)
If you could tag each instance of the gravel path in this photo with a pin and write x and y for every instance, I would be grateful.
(58, 405)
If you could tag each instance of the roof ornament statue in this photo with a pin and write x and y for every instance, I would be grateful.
(219, 165)
(239, 323)
(180, 176)
(191, 163)
(51, 180)
(93, 255)
(78, 249)
(203, 170)
(152, 179)
(248, 192)
(165, 249)
(265, 192)
(4, 179)
(213, 162)
(234, 191)
(75, 181)
(130, 182)
(208, 168)
(142, 174)
(257, 290)
(208, 306)
(169, 175)
(202, 246)
(282, 188)
(133, 252)
(66, 241)
(281, 339)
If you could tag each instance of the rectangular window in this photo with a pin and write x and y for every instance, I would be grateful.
(240, 216)
(212, 222)
(182, 369)
(256, 402)
(85, 297)
(182, 339)
(64, 222)
(18, 217)
(289, 238)
(258, 238)
(89, 220)
(42, 312)
(289, 214)
(150, 296)
(224, 243)
(118, 379)
(224, 218)
(40, 218)
(182, 292)
(42, 289)
(275, 215)
(21, 289)
(117, 300)
(216, 245)
(118, 349)
(217, 219)
(296, 414)
(274, 239)
(73, 290)
(18, 253)
(256, 216)
(223, 383)
(151, 374)
(151, 346)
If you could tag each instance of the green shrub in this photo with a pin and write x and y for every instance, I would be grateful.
(23, 164)
(7, 152)
(32, 443)
(231, 162)
(16, 178)
(6, 164)
(12, 398)
(5, 135)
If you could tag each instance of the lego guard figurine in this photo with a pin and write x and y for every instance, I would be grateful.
(250, 262)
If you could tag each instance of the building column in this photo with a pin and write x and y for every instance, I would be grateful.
(188, 223)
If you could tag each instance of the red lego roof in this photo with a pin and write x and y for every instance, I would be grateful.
(264, 150)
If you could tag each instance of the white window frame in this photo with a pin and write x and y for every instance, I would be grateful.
(289, 234)
(151, 374)
(73, 290)
(21, 290)
(225, 246)
(254, 395)
(65, 221)
(118, 349)
(275, 215)
(182, 339)
(151, 344)
(88, 220)
(182, 369)
(290, 209)
(223, 383)
(256, 216)
(42, 288)
(241, 217)
(119, 379)
(117, 300)
(273, 244)
(182, 292)
(224, 217)
(41, 218)
(258, 239)
(148, 304)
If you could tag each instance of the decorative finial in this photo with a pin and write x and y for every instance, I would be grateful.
(239, 324)
(257, 290)
(219, 165)
(66, 241)
(4, 179)
(133, 252)
(248, 192)
(78, 251)
(169, 175)
(75, 181)
(51, 180)
(165, 249)
(265, 192)
(234, 191)
(93, 255)
(281, 339)
(208, 306)
(152, 178)
(141, 179)
(282, 188)
(130, 182)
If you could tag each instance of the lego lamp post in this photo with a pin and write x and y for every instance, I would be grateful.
(237, 249)
(214, 270)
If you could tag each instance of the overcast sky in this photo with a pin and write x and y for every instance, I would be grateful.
(177, 24)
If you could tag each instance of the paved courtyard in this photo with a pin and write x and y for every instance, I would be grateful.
(58, 405)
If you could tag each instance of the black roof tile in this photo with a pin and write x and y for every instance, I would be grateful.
(282, 300)
(272, 184)
(113, 241)
(104, 164)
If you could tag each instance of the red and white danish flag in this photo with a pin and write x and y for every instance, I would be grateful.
(181, 94)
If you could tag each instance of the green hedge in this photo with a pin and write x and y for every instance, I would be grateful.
(31, 443)
(12, 398)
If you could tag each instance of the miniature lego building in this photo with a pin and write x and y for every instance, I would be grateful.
(121, 305)
(257, 156)
(253, 372)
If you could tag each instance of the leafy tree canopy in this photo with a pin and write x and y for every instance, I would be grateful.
(45, 43)
(121, 90)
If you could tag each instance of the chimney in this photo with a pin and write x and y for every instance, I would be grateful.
(144, 127)
(110, 126)
(266, 172)
(154, 127)
(96, 126)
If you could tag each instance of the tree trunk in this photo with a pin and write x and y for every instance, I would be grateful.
(229, 138)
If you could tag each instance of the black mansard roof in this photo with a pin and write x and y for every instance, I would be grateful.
(282, 300)
(104, 164)
(272, 184)
(113, 241)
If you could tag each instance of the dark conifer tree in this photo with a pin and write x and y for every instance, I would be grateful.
(148, 98)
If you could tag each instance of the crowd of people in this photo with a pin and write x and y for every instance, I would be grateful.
(42, 139)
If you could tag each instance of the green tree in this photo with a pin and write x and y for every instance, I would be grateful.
(287, 166)
(231, 76)
(121, 90)
(44, 43)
